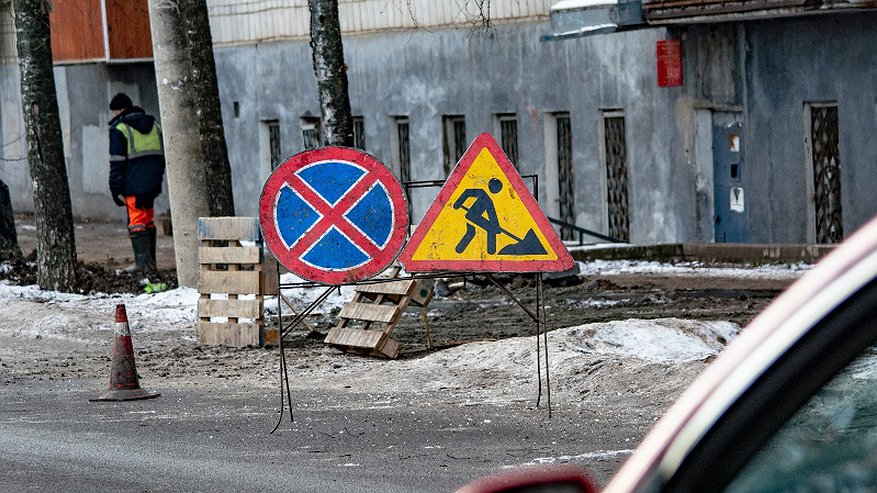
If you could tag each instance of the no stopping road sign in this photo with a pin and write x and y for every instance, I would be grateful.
(333, 215)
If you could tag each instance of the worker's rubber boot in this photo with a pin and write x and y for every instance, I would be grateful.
(152, 239)
(142, 257)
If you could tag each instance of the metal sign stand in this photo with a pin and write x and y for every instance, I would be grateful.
(309, 213)
(296, 321)
(541, 321)
(538, 316)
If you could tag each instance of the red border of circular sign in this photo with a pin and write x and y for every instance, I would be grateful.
(371, 268)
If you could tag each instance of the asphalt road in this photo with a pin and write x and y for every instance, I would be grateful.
(53, 439)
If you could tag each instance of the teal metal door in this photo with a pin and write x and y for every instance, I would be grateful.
(729, 170)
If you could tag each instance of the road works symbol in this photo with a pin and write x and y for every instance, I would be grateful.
(333, 215)
(485, 220)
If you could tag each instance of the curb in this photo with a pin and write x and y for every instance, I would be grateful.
(733, 253)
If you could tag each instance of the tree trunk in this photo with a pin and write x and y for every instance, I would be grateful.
(328, 54)
(56, 244)
(186, 181)
(217, 169)
(8, 237)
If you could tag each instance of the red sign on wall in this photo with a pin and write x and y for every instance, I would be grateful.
(669, 54)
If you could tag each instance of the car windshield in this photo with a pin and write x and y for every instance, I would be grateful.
(828, 445)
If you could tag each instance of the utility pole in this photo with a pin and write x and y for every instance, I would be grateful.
(182, 141)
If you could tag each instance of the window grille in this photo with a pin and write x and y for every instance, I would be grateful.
(359, 132)
(404, 150)
(566, 194)
(311, 133)
(508, 132)
(454, 137)
(824, 139)
(274, 143)
(616, 177)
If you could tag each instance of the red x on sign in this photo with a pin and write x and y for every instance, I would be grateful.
(333, 215)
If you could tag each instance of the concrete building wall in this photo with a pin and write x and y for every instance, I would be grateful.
(792, 62)
(13, 149)
(235, 22)
(425, 75)
(8, 52)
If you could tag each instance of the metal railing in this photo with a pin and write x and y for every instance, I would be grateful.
(582, 232)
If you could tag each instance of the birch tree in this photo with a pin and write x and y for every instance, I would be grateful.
(331, 72)
(187, 187)
(217, 168)
(56, 244)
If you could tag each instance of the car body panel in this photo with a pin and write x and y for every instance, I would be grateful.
(748, 357)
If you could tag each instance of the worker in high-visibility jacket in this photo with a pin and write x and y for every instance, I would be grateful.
(136, 173)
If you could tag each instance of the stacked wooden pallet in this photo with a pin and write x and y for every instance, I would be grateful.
(233, 281)
(365, 323)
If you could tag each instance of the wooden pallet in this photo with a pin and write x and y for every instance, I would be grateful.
(233, 281)
(376, 309)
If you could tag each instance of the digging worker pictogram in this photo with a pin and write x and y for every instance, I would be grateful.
(482, 213)
(136, 172)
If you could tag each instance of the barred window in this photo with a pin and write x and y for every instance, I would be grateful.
(508, 135)
(565, 171)
(359, 132)
(454, 140)
(311, 132)
(615, 147)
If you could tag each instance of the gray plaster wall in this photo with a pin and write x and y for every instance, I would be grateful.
(789, 63)
(424, 75)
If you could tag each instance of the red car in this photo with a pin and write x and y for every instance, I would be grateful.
(789, 406)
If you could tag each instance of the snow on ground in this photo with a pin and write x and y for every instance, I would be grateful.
(301, 297)
(668, 340)
(616, 267)
(66, 315)
(73, 316)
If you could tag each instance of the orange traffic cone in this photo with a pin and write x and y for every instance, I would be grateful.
(124, 384)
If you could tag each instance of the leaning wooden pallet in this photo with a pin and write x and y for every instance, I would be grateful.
(375, 310)
(233, 280)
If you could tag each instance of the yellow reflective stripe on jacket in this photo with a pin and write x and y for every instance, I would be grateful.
(140, 144)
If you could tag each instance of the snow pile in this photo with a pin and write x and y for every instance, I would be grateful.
(34, 293)
(592, 363)
(177, 306)
(668, 340)
(77, 317)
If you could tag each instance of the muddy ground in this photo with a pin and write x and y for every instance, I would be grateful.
(103, 250)
(477, 311)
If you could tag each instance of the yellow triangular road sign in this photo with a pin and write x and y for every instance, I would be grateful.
(485, 220)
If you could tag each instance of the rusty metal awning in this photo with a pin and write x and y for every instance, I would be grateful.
(664, 12)
(577, 18)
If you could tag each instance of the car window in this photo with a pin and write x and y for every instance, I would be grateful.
(828, 445)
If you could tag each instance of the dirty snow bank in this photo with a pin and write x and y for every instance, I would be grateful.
(31, 312)
(597, 360)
